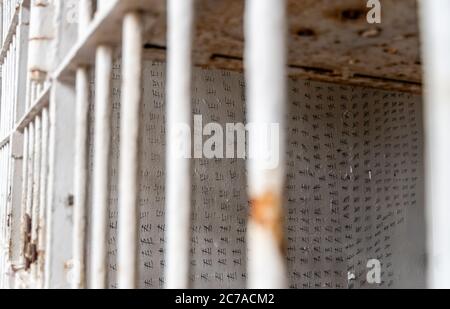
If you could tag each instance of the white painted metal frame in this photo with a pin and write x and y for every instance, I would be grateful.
(81, 156)
(102, 150)
(265, 30)
(178, 167)
(132, 66)
(436, 48)
(13, 22)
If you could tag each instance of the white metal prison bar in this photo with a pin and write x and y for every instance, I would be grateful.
(265, 54)
(4, 165)
(14, 27)
(102, 149)
(42, 198)
(4, 219)
(81, 156)
(179, 115)
(29, 196)
(436, 48)
(81, 178)
(36, 195)
(132, 66)
(8, 14)
(24, 194)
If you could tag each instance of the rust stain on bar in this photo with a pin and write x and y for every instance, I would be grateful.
(266, 210)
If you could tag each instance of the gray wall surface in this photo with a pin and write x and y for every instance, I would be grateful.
(354, 189)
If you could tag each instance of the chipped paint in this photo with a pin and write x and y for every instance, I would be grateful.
(267, 211)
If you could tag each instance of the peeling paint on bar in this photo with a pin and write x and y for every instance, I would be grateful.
(179, 116)
(128, 223)
(265, 30)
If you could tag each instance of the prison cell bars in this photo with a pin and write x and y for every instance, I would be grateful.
(10, 33)
(436, 61)
(33, 124)
(132, 40)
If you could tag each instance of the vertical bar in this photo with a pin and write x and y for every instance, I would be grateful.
(436, 47)
(1, 23)
(81, 177)
(4, 215)
(265, 54)
(2, 219)
(43, 197)
(179, 115)
(29, 198)
(5, 96)
(2, 102)
(102, 147)
(2, 200)
(36, 195)
(24, 193)
(14, 86)
(7, 92)
(81, 158)
(129, 149)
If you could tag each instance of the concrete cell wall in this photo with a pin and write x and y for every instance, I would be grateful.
(354, 188)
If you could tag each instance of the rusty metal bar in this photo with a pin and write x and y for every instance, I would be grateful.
(132, 66)
(436, 48)
(102, 147)
(179, 115)
(265, 54)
